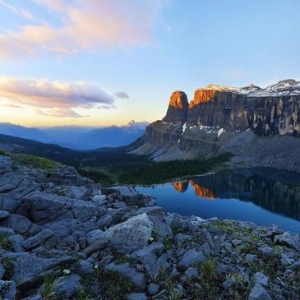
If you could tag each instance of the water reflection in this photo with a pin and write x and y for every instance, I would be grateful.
(275, 191)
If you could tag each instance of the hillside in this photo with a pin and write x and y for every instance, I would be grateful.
(65, 237)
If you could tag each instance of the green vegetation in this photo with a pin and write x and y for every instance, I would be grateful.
(109, 165)
(4, 242)
(2, 152)
(97, 175)
(48, 288)
(34, 161)
(8, 265)
(115, 286)
(164, 171)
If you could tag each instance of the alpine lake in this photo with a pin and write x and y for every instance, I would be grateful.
(262, 196)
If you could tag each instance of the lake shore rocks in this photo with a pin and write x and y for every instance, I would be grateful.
(64, 237)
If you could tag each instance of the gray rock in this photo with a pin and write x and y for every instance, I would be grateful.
(99, 244)
(45, 208)
(104, 222)
(259, 293)
(37, 239)
(28, 269)
(136, 296)
(99, 199)
(148, 256)
(128, 194)
(125, 270)
(191, 257)
(205, 248)
(77, 192)
(3, 214)
(93, 236)
(251, 258)
(67, 286)
(228, 246)
(191, 273)
(132, 234)
(228, 283)
(2, 271)
(8, 290)
(153, 289)
(9, 182)
(261, 278)
(266, 251)
(288, 239)
(236, 242)
(5, 164)
(13, 188)
(84, 267)
(21, 225)
(6, 231)
(17, 241)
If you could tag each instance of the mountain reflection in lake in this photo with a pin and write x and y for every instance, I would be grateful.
(262, 196)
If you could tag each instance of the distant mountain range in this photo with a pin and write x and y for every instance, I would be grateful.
(77, 137)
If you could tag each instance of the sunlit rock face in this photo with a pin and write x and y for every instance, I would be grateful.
(201, 191)
(181, 186)
(270, 111)
(216, 114)
(224, 109)
(178, 108)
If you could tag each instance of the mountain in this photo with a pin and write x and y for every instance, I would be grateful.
(260, 126)
(77, 137)
(24, 132)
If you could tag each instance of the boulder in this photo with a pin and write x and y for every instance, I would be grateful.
(259, 293)
(130, 235)
(136, 278)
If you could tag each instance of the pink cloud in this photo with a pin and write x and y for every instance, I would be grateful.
(84, 25)
(53, 98)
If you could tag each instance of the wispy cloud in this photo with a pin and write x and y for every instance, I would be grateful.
(19, 11)
(83, 25)
(52, 98)
(122, 95)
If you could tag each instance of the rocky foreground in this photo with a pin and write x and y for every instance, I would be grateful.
(64, 237)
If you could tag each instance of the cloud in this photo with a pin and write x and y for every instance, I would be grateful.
(122, 95)
(53, 98)
(83, 25)
(19, 11)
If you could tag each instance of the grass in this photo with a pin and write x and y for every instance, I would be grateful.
(34, 161)
(114, 286)
(48, 288)
(4, 242)
(8, 265)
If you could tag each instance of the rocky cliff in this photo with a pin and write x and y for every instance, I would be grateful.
(217, 115)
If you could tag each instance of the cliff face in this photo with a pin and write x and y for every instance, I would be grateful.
(178, 108)
(267, 112)
(217, 114)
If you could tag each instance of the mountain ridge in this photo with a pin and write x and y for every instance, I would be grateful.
(79, 137)
(260, 126)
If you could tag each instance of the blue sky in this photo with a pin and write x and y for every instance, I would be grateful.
(99, 62)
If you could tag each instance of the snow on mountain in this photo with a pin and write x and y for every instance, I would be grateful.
(282, 88)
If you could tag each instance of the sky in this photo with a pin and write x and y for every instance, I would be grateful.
(101, 63)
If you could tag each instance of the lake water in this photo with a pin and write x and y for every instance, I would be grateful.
(263, 196)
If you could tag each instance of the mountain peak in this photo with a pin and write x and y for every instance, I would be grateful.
(216, 87)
